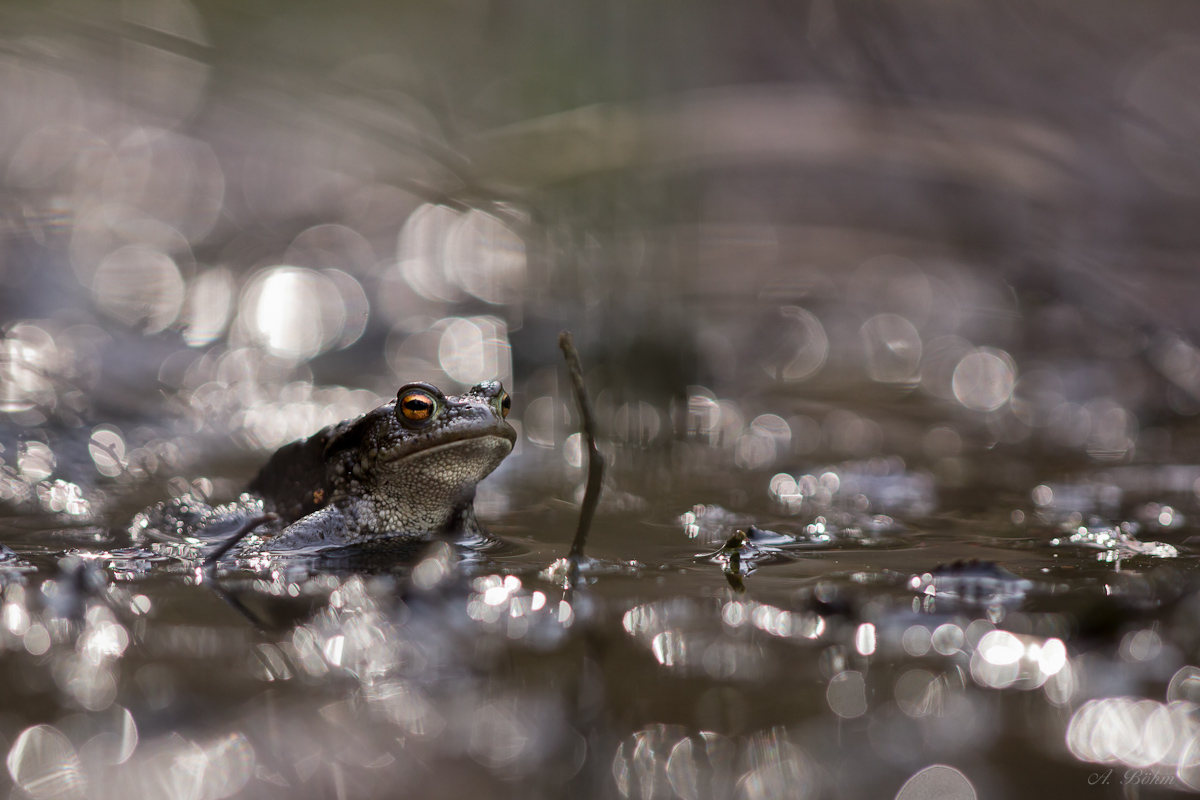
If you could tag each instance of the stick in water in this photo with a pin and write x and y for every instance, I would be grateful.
(595, 474)
(249, 525)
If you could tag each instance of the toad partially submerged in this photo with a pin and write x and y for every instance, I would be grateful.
(401, 473)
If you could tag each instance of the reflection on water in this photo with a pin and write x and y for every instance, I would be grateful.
(483, 666)
(893, 353)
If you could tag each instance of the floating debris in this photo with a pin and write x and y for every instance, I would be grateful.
(765, 538)
(1115, 543)
(972, 583)
(12, 566)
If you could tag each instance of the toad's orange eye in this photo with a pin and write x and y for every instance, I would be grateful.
(505, 404)
(417, 406)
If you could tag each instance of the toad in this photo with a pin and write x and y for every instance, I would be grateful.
(403, 472)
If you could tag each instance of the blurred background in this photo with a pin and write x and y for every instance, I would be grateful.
(914, 277)
(779, 230)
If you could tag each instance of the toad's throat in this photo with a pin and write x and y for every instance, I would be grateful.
(431, 489)
(440, 474)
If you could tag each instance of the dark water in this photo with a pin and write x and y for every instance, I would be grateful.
(902, 292)
(832, 659)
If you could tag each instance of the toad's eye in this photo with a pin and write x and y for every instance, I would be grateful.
(504, 403)
(417, 406)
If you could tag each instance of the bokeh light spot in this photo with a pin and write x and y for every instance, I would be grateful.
(937, 782)
(139, 286)
(847, 694)
(984, 379)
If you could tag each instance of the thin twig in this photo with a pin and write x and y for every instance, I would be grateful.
(210, 563)
(595, 474)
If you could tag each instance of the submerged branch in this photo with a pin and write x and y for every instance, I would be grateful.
(595, 473)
